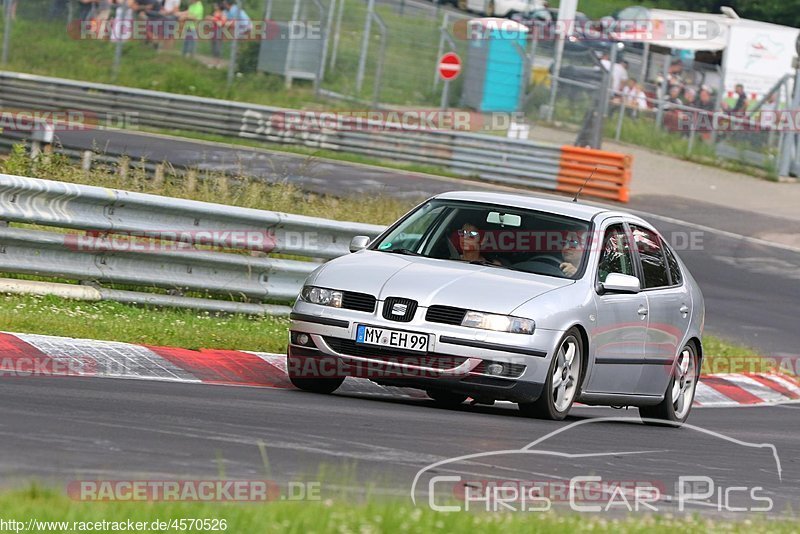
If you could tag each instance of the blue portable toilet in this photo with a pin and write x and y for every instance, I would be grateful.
(494, 67)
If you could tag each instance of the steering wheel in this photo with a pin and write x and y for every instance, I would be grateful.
(546, 258)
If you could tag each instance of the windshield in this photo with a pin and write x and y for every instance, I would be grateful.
(508, 238)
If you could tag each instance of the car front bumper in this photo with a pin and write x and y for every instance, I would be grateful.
(458, 359)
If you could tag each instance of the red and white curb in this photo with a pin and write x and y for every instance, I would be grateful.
(27, 355)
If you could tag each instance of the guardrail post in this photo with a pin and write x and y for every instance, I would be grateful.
(86, 161)
(190, 180)
(158, 175)
(123, 165)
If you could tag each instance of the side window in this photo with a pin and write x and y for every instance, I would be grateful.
(674, 267)
(616, 256)
(654, 265)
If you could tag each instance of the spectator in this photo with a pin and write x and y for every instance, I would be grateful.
(190, 17)
(238, 17)
(142, 10)
(169, 15)
(705, 102)
(690, 97)
(101, 16)
(675, 73)
(218, 20)
(741, 100)
(674, 96)
(85, 9)
(619, 75)
(634, 97)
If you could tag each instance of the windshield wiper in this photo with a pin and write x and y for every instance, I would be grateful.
(486, 263)
(404, 251)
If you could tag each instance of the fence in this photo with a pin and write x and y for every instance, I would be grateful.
(148, 241)
(487, 157)
(681, 123)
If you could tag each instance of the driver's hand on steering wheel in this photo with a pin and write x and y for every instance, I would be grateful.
(568, 269)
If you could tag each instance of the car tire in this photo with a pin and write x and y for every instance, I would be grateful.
(446, 399)
(678, 399)
(307, 381)
(567, 367)
(317, 385)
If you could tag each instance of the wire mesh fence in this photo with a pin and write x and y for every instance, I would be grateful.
(370, 53)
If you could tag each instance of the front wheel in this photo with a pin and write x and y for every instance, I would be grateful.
(308, 374)
(446, 399)
(563, 380)
(678, 399)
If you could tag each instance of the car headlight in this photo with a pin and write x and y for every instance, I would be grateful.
(322, 296)
(501, 323)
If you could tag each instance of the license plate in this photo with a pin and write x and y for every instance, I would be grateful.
(397, 339)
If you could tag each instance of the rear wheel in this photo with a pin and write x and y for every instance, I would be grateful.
(446, 399)
(678, 399)
(563, 380)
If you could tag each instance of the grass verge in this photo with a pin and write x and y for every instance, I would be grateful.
(333, 516)
(113, 321)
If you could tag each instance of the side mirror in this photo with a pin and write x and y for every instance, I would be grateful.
(359, 242)
(621, 283)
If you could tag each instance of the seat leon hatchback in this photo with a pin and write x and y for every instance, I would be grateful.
(501, 297)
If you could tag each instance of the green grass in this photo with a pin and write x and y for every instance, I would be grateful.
(111, 321)
(375, 516)
(215, 187)
(45, 47)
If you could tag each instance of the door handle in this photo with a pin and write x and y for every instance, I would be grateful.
(642, 311)
(684, 309)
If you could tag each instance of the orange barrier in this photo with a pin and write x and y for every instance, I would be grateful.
(611, 178)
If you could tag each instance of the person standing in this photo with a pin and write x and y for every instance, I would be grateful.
(191, 16)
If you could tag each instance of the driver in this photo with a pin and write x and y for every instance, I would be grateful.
(571, 253)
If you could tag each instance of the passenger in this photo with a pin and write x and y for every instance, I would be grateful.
(469, 241)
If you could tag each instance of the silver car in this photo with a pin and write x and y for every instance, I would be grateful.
(494, 296)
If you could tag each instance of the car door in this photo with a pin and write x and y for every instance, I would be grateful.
(621, 320)
(670, 305)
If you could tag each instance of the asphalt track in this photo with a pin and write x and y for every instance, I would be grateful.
(751, 288)
(61, 429)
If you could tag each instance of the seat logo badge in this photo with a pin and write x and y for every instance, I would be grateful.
(399, 309)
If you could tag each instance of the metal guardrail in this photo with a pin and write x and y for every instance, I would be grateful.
(488, 157)
(151, 241)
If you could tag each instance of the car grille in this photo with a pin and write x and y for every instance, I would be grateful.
(510, 370)
(358, 301)
(434, 361)
(406, 307)
(445, 314)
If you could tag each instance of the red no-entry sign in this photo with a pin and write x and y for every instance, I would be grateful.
(449, 66)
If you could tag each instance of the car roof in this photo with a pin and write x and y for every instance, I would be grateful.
(576, 210)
